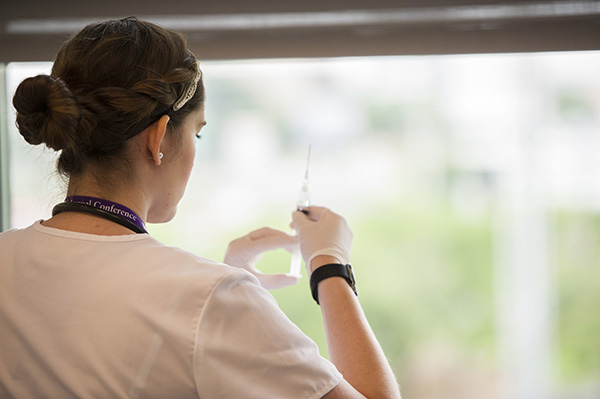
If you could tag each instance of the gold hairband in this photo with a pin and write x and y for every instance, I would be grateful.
(188, 94)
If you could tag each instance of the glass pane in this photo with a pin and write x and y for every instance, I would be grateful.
(472, 184)
(35, 185)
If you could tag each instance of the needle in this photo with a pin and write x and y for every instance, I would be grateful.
(307, 163)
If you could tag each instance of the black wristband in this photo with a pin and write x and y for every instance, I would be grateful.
(331, 270)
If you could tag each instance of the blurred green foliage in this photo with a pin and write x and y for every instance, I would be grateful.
(425, 277)
(577, 257)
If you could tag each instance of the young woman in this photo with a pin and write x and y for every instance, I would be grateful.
(92, 306)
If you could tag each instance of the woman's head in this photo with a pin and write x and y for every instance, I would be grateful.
(108, 83)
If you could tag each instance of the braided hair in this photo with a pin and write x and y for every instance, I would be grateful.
(108, 83)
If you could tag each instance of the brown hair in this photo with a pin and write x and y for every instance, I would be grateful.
(108, 83)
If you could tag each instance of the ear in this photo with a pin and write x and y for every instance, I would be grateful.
(155, 137)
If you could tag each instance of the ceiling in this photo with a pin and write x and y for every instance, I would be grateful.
(32, 30)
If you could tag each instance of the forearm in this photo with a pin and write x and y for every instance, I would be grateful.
(353, 347)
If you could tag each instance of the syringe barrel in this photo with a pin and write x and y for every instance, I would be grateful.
(303, 200)
(296, 262)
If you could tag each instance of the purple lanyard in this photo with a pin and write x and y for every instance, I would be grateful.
(104, 207)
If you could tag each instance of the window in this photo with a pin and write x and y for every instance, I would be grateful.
(472, 184)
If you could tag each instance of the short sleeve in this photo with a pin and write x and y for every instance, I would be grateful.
(246, 347)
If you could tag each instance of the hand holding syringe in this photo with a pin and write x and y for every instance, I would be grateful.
(245, 251)
(302, 202)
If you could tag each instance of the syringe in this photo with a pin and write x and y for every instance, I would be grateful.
(302, 202)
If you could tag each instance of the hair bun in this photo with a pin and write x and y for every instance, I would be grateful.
(47, 112)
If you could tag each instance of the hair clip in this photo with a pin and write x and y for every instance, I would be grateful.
(188, 94)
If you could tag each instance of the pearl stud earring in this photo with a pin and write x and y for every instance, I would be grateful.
(160, 156)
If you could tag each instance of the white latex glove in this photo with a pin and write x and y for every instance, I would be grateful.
(323, 232)
(245, 251)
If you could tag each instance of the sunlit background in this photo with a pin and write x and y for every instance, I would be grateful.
(472, 184)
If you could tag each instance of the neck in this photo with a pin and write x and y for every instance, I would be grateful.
(106, 209)
(85, 222)
(131, 198)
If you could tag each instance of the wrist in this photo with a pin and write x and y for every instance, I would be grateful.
(322, 260)
(329, 271)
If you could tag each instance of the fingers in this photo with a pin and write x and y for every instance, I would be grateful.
(322, 232)
(276, 281)
(266, 239)
(314, 213)
(265, 232)
(310, 214)
(245, 251)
